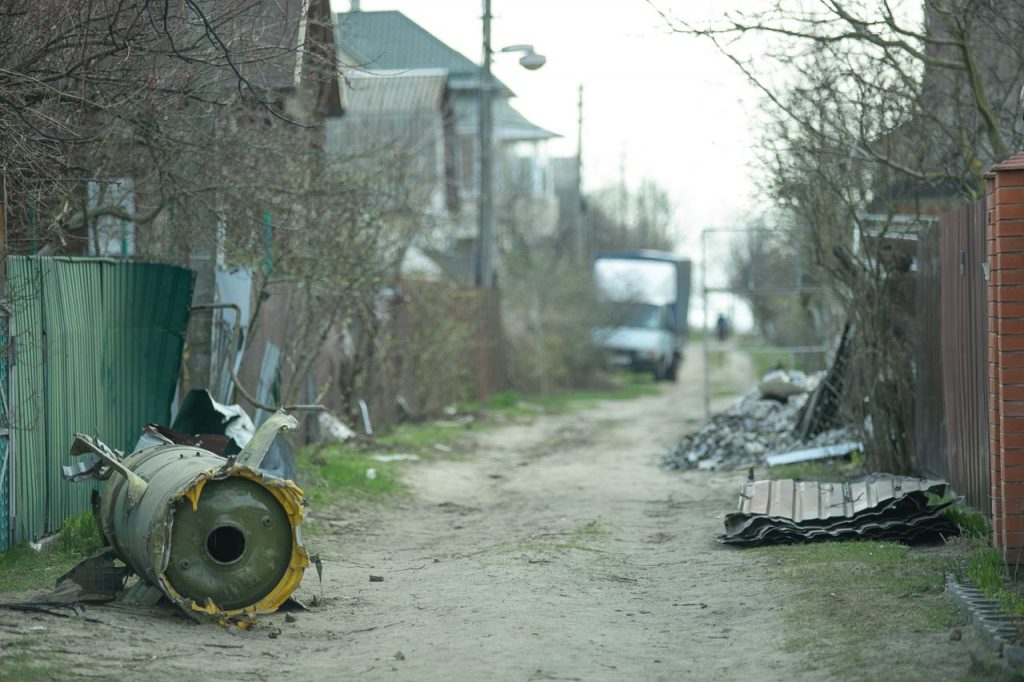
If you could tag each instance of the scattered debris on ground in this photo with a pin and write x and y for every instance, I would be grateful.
(217, 537)
(811, 454)
(878, 507)
(332, 430)
(763, 422)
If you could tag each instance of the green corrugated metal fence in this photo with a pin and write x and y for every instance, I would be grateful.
(97, 347)
(5, 433)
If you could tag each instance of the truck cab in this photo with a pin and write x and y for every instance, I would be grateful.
(646, 297)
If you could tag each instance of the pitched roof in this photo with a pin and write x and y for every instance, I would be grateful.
(409, 90)
(387, 42)
(390, 40)
(509, 124)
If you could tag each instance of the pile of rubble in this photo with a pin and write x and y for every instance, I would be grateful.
(879, 507)
(764, 422)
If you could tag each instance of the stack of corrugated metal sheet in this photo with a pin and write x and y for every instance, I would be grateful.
(879, 507)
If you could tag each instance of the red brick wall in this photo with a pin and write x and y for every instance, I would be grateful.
(1005, 235)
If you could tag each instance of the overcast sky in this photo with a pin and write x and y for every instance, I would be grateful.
(659, 106)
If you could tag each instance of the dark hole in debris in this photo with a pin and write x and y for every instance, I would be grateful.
(225, 544)
(376, 578)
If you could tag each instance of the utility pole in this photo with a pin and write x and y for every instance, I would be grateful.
(485, 217)
(486, 250)
(579, 242)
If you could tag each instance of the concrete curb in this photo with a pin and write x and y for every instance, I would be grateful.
(1002, 632)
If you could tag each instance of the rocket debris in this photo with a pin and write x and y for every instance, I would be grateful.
(219, 538)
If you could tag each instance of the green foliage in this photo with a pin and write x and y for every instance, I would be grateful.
(81, 534)
(973, 524)
(550, 310)
(422, 439)
(983, 566)
(341, 474)
(23, 568)
(985, 569)
(503, 401)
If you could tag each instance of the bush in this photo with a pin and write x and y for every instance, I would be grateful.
(550, 309)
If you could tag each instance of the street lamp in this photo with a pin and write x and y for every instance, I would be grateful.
(531, 60)
(485, 216)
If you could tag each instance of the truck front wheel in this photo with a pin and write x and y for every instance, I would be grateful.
(673, 369)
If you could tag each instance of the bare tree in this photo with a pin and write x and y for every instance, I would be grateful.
(927, 90)
(198, 123)
(623, 218)
(874, 109)
(147, 92)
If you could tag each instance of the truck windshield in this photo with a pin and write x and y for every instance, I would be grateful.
(637, 315)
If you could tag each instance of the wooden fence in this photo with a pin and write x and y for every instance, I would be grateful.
(952, 354)
(439, 343)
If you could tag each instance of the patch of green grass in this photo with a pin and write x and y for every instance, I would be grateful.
(19, 661)
(985, 569)
(339, 473)
(620, 384)
(851, 598)
(23, 568)
(836, 470)
(81, 534)
(421, 439)
(625, 386)
(505, 400)
(973, 524)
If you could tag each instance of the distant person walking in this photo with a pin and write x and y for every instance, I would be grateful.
(722, 327)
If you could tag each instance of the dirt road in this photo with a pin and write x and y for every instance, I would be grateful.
(558, 551)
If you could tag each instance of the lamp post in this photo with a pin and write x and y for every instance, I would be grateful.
(485, 215)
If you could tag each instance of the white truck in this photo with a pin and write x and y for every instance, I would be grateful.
(647, 295)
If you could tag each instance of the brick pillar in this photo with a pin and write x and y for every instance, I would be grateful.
(1005, 236)
(993, 366)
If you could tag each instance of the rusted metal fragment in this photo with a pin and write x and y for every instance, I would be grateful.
(111, 458)
(96, 579)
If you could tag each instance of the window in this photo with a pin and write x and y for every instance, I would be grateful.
(110, 235)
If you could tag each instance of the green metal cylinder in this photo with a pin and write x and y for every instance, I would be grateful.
(217, 537)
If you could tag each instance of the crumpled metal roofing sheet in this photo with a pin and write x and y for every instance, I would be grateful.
(806, 500)
(877, 507)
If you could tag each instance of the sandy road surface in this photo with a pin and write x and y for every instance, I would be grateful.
(560, 551)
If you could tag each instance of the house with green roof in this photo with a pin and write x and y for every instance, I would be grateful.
(404, 82)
